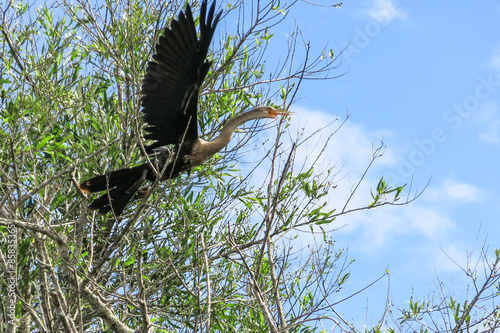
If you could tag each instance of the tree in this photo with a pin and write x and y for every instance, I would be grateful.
(213, 250)
(478, 311)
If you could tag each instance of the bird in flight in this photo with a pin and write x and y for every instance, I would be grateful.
(170, 93)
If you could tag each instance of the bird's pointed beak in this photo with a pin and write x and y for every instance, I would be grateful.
(274, 113)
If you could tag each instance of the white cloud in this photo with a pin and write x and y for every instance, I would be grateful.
(454, 191)
(488, 119)
(461, 191)
(351, 146)
(384, 225)
(351, 149)
(452, 258)
(491, 136)
(495, 60)
(385, 11)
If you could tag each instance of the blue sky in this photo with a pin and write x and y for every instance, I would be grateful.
(424, 78)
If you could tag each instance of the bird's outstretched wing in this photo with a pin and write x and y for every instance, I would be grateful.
(172, 82)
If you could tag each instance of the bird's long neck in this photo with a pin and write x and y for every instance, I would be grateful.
(206, 149)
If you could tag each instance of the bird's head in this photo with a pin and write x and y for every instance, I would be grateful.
(270, 112)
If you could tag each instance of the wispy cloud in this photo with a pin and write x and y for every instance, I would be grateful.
(491, 136)
(461, 191)
(488, 119)
(387, 225)
(351, 150)
(352, 145)
(454, 191)
(495, 60)
(385, 10)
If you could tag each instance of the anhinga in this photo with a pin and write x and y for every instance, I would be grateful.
(169, 102)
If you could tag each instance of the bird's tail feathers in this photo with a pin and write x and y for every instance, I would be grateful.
(121, 185)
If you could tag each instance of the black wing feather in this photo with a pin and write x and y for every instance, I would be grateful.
(172, 82)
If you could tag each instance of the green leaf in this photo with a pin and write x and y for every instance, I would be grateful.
(129, 262)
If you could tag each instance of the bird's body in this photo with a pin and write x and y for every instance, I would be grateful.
(169, 102)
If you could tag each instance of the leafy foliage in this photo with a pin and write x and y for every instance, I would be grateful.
(209, 251)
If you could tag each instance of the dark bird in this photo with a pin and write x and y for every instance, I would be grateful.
(170, 92)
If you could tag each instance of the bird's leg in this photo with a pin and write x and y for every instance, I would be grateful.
(141, 193)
